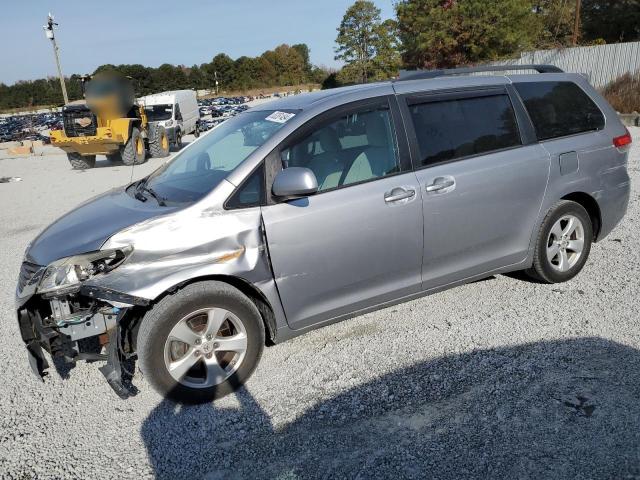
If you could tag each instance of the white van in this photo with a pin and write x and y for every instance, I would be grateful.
(177, 111)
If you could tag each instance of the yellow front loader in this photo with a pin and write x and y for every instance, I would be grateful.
(108, 122)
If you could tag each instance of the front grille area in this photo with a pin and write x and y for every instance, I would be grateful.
(79, 122)
(27, 272)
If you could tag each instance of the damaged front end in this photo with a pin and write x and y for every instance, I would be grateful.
(89, 306)
(71, 321)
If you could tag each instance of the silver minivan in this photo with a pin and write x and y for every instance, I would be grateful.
(315, 208)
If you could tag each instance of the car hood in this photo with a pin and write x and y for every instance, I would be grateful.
(88, 226)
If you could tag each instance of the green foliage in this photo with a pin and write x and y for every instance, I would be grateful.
(610, 20)
(332, 81)
(447, 33)
(282, 66)
(288, 64)
(305, 55)
(38, 92)
(222, 65)
(557, 19)
(197, 77)
(387, 62)
(367, 45)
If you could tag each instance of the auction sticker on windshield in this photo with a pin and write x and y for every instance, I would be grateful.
(280, 117)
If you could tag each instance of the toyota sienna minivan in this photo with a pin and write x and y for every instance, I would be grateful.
(316, 208)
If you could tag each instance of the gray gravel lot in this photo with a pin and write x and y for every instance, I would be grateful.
(497, 379)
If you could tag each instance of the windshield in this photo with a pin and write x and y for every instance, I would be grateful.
(194, 173)
(157, 113)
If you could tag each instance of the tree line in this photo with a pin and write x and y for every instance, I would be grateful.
(283, 66)
(423, 34)
(449, 33)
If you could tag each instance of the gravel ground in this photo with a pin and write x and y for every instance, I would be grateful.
(497, 379)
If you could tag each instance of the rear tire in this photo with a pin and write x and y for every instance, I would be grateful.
(134, 152)
(81, 162)
(158, 141)
(563, 244)
(201, 368)
(196, 132)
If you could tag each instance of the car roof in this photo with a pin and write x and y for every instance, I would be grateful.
(306, 101)
(311, 100)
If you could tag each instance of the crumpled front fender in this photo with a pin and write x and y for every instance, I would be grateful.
(192, 243)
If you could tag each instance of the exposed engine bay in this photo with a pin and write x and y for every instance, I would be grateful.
(76, 327)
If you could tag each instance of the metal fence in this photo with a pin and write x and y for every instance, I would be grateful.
(601, 63)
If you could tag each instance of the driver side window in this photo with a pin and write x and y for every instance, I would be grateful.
(350, 148)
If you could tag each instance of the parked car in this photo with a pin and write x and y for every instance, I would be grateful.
(177, 111)
(213, 122)
(28, 126)
(203, 126)
(318, 207)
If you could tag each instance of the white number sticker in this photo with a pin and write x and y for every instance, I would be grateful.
(280, 117)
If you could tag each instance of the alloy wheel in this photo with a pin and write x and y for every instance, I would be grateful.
(205, 347)
(565, 243)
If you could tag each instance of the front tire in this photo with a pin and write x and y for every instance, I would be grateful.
(158, 141)
(81, 162)
(178, 140)
(201, 343)
(134, 151)
(563, 244)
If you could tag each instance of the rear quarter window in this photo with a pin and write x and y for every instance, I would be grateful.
(559, 109)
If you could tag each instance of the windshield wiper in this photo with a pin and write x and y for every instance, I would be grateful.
(142, 187)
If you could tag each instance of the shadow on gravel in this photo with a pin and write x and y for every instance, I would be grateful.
(523, 277)
(564, 409)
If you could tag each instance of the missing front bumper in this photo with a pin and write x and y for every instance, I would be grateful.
(68, 339)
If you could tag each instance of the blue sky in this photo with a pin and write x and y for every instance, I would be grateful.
(154, 32)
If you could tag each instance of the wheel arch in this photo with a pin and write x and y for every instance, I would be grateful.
(590, 204)
(247, 288)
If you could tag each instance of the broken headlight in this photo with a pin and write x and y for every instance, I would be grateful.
(66, 275)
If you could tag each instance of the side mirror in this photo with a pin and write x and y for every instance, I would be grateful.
(294, 182)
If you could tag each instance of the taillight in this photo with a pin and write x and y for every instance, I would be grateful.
(623, 141)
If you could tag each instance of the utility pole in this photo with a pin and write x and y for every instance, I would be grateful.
(215, 74)
(48, 30)
(576, 23)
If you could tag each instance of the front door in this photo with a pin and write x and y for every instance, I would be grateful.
(358, 241)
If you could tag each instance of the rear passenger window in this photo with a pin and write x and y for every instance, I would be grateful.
(558, 109)
(352, 148)
(457, 128)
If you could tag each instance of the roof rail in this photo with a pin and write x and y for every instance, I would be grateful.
(427, 74)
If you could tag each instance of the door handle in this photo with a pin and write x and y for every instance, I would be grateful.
(441, 183)
(398, 194)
